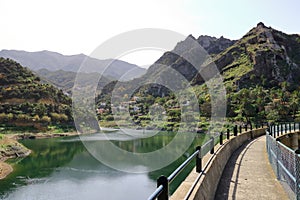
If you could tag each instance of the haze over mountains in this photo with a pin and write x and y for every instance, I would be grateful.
(53, 61)
(265, 62)
(263, 55)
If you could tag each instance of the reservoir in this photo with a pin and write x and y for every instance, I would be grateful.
(63, 168)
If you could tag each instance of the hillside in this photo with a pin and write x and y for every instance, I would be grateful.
(261, 73)
(53, 61)
(211, 45)
(65, 79)
(264, 55)
(26, 104)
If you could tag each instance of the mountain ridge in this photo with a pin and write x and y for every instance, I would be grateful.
(53, 61)
(265, 52)
(260, 72)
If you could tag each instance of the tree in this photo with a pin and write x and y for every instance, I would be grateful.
(45, 119)
(294, 103)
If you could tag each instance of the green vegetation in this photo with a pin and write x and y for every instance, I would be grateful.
(26, 105)
(259, 104)
(261, 77)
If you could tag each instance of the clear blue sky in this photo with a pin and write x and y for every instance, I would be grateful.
(79, 26)
(233, 18)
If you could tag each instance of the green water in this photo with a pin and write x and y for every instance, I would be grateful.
(62, 168)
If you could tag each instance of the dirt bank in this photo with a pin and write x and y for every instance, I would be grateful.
(10, 148)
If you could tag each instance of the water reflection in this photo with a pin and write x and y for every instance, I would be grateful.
(64, 169)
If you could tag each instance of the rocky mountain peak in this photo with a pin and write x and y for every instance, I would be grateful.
(214, 45)
(264, 55)
(260, 25)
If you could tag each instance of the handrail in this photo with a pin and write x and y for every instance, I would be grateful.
(156, 193)
(182, 166)
(199, 176)
(162, 190)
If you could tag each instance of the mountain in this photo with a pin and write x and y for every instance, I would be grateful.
(214, 45)
(264, 55)
(26, 102)
(53, 61)
(65, 79)
(261, 74)
(211, 46)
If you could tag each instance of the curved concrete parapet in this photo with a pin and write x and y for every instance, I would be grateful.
(290, 140)
(207, 184)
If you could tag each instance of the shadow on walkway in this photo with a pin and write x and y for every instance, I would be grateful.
(248, 175)
(227, 176)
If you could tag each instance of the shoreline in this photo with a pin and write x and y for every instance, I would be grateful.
(23, 136)
(5, 168)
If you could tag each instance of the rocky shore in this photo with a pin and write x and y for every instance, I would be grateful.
(10, 148)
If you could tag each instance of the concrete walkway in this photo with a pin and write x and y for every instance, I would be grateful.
(248, 175)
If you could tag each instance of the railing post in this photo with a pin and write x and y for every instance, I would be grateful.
(162, 180)
(251, 126)
(294, 126)
(235, 130)
(198, 160)
(228, 134)
(240, 129)
(277, 129)
(281, 128)
(285, 128)
(277, 158)
(221, 138)
(246, 127)
(212, 147)
(297, 173)
(290, 127)
(256, 126)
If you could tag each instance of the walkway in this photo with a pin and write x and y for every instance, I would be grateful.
(248, 175)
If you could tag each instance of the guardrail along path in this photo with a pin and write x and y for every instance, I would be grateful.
(248, 175)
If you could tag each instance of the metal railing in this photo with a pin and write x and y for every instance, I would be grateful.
(163, 182)
(162, 191)
(284, 160)
(277, 130)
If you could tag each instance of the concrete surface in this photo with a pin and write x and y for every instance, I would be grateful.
(206, 185)
(248, 175)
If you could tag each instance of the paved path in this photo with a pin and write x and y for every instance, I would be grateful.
(248, 175)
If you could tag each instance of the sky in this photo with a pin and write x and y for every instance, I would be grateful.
(80, 26)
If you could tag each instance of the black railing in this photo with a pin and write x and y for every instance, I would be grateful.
(279, 129)
(162, 190)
